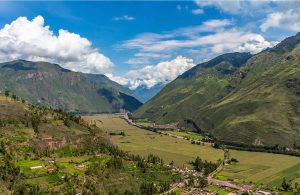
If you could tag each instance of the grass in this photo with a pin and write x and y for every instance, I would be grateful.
(190, 135)
(263, 168)
(143, 142)
(179, 191)
(255, 167)
(221, 177)
(26, 164)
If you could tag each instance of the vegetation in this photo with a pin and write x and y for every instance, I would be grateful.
(47, 84)
(206, 167)
(239, 99)
(47, 151)
(188, 135)
(252, 167)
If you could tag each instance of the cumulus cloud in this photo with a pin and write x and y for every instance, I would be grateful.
(33, 40)
(123, 18)
(287, 20)
(162, 72)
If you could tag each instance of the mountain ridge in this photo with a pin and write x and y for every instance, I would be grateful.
(50, 84)
(254, 104)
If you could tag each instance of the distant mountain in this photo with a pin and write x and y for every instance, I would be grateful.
(144, 93)
(237, 98)
(49, 84)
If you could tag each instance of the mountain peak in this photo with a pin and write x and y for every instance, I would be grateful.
(237, 59)
(287, 44)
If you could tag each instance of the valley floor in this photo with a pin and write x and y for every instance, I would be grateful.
(252, 167)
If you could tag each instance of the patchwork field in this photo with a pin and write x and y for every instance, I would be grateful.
(255, 167)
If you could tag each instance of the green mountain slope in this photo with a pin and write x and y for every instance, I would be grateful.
(255, 104)
(45, 151)
(49, 84)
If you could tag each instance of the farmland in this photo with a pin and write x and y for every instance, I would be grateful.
(189, 135)
(260, 168)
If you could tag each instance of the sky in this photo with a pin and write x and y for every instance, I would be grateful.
(141, 43)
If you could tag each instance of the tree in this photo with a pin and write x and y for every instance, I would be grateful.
(226, 155)
(35, 122)
(285, 185)
(171, 163)
(297, 189)
(6, 93)
(148, 188)
(67, 122)
(14, 96)
(203, 182)
(164, 186)
(198, 164)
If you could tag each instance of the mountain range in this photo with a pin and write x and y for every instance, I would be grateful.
(49, 84)
(237, 98)
(145, 93)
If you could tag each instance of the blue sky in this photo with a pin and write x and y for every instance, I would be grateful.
(142, 43)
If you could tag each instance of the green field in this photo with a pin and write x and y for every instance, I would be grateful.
(257, 167)
(190, 135)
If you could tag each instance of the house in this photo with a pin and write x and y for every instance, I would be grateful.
(82, 166)
(50, 170)
(262, 193)
(36, 167)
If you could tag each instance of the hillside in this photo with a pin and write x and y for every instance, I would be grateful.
(45, 151)
(237, 100)
(49, 84)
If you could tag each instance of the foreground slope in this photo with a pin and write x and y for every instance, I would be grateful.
(257, 104)
(45, 151)
(49, 84)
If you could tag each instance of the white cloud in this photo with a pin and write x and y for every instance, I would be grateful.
(144, 58)
(287, 20)
(197, 11)
(251, 8)
(32, 40)
(124, 18)
(216, 35)
(149, 76)
(160, 42)
(200, 43)
(136, 61)
(231, 6)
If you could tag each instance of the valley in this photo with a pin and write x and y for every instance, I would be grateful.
(104, 103)
(252, 167)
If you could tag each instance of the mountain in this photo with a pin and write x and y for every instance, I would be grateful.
(144, 93)
(49, 84)
(237, 98)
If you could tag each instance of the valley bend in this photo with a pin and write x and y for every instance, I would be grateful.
(150, 97)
